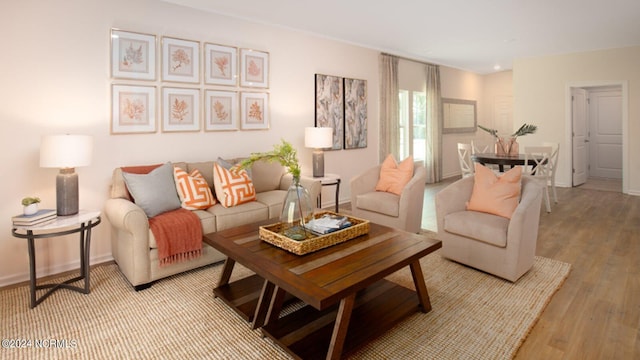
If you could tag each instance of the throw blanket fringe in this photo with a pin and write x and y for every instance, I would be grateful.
(178, 234)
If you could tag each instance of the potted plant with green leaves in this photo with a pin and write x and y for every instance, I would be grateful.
(509, 146)
(297, 208)
(30, 205)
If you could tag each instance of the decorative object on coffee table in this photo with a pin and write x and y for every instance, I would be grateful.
(297, 208)
(508, 145)
(314, 242)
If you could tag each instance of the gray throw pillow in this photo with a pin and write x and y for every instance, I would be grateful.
(154, 192)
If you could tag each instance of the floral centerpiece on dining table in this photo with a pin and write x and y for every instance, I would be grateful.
(509, 145)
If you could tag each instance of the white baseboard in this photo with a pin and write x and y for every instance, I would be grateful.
(41, 272)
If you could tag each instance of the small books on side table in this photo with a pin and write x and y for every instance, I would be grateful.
(327, 224)
(41, 217)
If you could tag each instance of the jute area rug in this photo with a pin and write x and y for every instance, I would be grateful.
(474, 316)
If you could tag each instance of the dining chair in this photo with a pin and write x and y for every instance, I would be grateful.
(555, 148)
(537, 165)
(464, 157)
(479, 147)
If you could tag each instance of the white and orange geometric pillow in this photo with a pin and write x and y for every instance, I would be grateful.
(232, 187)
(193, 190)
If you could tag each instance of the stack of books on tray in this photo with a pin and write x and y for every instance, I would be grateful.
(41, 217)
(328, 224)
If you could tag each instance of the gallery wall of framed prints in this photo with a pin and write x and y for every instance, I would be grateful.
(183, 85)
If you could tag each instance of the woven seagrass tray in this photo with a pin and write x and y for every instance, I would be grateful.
(273, 235)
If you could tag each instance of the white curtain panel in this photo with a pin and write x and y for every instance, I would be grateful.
(389, 117)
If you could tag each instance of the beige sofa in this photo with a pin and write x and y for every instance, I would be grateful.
(134, 247)
(494, 244)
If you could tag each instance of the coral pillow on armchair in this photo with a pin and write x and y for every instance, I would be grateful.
(393, 177)
(232, 187)
(497, 195)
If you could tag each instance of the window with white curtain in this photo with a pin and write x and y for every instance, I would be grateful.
(413, 121)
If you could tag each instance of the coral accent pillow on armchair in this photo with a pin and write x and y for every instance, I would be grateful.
(497, 195)
(393, 176)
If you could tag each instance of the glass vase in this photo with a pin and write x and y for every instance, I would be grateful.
(296, 211)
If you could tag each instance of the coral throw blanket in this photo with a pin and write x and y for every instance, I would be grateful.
(178, 234)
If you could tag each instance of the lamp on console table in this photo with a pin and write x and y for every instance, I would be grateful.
(318, 138)
(66, 152)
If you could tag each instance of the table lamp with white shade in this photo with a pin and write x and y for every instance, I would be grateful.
(318, 138)
(66, 152)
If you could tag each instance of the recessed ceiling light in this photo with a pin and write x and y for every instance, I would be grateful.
(497, 67)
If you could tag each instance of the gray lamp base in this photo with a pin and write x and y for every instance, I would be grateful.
(318, 163)
(67, 192)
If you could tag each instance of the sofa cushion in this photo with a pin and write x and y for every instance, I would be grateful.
(498, 195)
(144, 189)
(232, 187)
(393, 176)
(238, 215)
(193, 190)
(273, 200)
(488, 228)
(380, 202)
(266, 175)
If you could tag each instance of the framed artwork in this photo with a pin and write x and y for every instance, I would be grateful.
(355, 113)
(180, 60)
(133, 109)
(254, 68)
(133, 55)
(221, 65)
(329, 106)
(254, 111)
(220, 110)
(180, 109)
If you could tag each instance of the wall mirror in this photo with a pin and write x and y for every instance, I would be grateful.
(459, 116)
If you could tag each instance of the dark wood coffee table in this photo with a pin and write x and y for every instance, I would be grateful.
(348, 301)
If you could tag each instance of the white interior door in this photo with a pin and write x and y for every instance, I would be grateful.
(580, 137)
(605, 124)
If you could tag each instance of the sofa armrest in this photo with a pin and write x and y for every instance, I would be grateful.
(129, 239)
(127, 216)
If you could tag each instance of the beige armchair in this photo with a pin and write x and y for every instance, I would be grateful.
(502, 247)
(402, 211)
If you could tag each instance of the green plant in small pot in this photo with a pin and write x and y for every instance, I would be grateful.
(297, 208)
(509, 146)
(30, 205)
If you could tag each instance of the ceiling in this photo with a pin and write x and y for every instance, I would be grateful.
(474, 35)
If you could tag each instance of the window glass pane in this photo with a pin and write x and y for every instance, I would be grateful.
(403, 104)
(419, 124)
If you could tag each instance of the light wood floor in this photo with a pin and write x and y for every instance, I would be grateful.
(596, 313)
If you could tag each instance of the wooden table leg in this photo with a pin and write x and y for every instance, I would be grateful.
(421, 287)
(226, 271)
(341, 326)
(276, 305)
(264, 303)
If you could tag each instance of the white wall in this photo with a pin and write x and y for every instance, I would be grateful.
(55, 78)
(541, 96)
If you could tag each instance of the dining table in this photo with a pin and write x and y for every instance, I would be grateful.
(501, 160)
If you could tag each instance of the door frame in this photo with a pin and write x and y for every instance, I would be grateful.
(624, 86)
